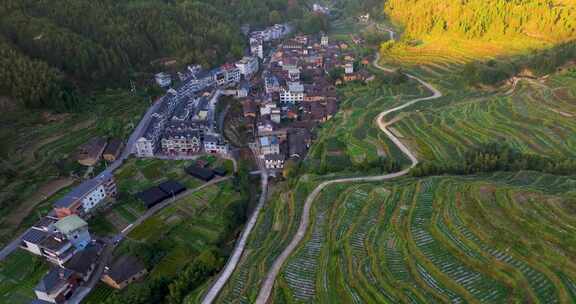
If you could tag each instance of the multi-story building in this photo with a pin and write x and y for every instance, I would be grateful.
(248, 66)
(271, 84)
(269, 145)
(57, 241)
(324, 41)
(182, 138)
(227, 75)
(57, 286)
(292, 93)
(215, 143)
(274, 161)
(75, 230)
(85, 197)
(257, 47)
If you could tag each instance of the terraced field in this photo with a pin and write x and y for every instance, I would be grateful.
(351, 137)
(502, 238)
(536, 118)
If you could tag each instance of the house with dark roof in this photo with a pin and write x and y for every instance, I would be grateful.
(89, 153)
(204, 174)
(123, 271)
(83, 263)
(152, 196)
(57, 286)
(84, 197)
(113, 149)
(172, 188)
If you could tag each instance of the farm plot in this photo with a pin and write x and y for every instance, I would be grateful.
(529, 120)
(438, 240)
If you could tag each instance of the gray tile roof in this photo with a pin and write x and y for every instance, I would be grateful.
(53, 279)
(35, 236)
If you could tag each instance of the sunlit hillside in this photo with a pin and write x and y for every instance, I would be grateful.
(459, 31)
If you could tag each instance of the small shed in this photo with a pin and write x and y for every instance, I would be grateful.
(113, 149)
(220, 171)
(152, 196)
(204, 174)
(172, 187)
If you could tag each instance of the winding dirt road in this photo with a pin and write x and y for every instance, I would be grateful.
(268, 284)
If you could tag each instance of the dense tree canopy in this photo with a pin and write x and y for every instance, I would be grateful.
(550, 20)
(88, 44)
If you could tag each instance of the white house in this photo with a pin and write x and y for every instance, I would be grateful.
(145, 147)
(276, 115)
(324, 41)
(248, 66)
(163, 79)
(293, 93)
(349, 68)
(257, 47)
(274, 161)
(214, 143)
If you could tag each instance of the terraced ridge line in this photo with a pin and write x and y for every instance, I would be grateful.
(268, 284)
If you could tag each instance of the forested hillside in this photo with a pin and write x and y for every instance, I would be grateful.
(52, 49)
(549, 20)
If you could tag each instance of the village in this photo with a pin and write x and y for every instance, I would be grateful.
(286, 86)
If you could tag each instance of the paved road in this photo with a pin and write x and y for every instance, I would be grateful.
(128, 149)
(241, 244)
(267, 286)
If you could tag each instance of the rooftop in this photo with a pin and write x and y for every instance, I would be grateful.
(53, 279)
(125, 268)
(81, 190)
(70, 224)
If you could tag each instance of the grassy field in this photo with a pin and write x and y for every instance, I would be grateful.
(137, 175)
(19, 274)
(536, 118)
(187, 227)
(33, 145)
(503, 238)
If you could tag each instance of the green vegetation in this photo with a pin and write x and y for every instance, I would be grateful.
(537, 118)
(351, 141)
(499, 238)
(183, 246)
(37, 151)
(277, 224)
(137, 175)
(19, 274)
(53, 52)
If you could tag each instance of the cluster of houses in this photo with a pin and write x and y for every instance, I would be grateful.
(67, 245)
(184, 122)
(62, 238)
(298, 93)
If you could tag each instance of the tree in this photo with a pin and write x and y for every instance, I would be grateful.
(274, 17)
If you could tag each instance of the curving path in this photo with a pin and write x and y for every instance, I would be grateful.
(268, 284)
(230, 266)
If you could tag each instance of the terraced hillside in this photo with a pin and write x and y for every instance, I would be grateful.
(351, 137)
(537, 117)
(503, 238)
